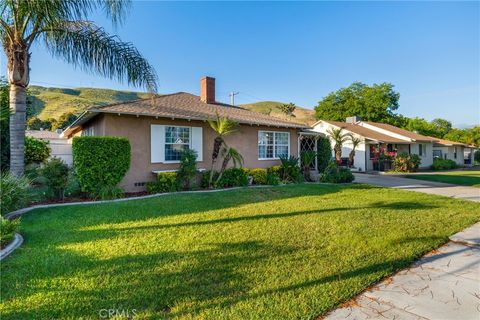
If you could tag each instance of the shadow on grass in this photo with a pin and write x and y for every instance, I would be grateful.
(445, 178)
(170, 284)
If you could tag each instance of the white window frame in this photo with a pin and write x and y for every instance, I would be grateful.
(274, 144)
(165, 141)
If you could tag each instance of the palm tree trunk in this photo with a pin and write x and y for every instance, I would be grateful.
(226, 160)
(216, 150)
(18, 104)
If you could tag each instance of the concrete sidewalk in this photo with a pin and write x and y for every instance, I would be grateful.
(430, 187)
(444, 284)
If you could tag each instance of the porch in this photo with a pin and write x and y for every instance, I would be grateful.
(308, 141)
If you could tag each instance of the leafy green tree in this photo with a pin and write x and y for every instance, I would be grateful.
(469, 136)
(36, 123)
(288, 109)
(66, 32)
(441, 127)
(373, 103)
(64, 121)
(437, 128)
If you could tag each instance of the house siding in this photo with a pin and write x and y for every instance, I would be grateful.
(137, 130)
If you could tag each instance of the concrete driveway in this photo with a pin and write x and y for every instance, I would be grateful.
(442, 189)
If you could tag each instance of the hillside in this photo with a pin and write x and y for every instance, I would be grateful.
(53, 102)
(271, 107)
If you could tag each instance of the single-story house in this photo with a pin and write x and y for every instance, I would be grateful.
(459, 152)
(376, 137)
(159, 128)
(60, 147)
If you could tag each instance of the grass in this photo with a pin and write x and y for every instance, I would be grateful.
(284, 252)
(463, 178)
(303, 115)
(53, 102)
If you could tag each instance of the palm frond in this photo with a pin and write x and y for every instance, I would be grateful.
(235, 156)
(89, 47)
(222, 126)
(337, 135)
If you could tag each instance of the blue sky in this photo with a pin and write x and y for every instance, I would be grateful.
(299, 52)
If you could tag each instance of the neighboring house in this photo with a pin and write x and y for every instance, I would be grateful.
(459, 152)
(159, 128)
(60, 147)
(378, 135)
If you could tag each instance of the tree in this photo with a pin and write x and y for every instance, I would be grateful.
(355, 143)
(4, 125)
(222, 126)
(441, 127)
(36, 123)
(64, 121)
(66, 32)
(468, 136)
(288, 109)
(339, 138)
(373, 103)
(229, 154)
(306, 159)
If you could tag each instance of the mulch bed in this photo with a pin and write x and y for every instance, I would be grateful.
(84, 198)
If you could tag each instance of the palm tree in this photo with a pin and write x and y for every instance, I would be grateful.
(229, 154)
(63, 28)
(306, 159)
(355, 143)
(339, 138)
(222, 126)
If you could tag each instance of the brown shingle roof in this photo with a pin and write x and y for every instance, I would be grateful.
(188, 106)
(365, 132)
(403, 132)
(447, 143)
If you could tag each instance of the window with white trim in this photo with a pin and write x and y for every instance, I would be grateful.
(177, 139)
(273, 144)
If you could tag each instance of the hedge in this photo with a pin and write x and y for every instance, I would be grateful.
(443, 164)
(100, 161)
(36, 150)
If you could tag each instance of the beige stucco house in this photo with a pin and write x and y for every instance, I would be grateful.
(160, 128)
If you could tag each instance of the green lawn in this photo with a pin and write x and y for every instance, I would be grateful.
(284, 252)
(464, 178)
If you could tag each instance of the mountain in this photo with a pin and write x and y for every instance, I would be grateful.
(53, 102)
(271, 107)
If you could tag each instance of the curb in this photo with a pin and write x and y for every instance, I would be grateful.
(17, 213)
(16, 242)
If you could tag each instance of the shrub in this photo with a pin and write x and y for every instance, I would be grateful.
(405, 162)
(232, 177)
(107, 193)
(100, 161)
(13, 192)
(188, 168)
(7, 230)
(324, 153)
(73, 186)
(166, 182)
(476, 156)
(36, 150)
(335, 174)
(55, 173)
(273, 175)
(290, 170)
(443, 164)
(259, 175)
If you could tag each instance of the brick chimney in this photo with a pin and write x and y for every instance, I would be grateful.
(207, 90)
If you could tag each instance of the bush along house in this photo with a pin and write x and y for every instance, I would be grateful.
(159, 128)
